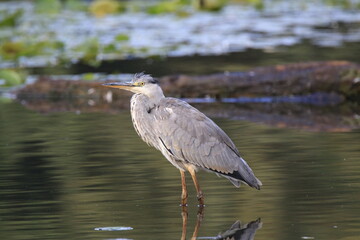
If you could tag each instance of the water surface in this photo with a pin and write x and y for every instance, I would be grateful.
(63, 175)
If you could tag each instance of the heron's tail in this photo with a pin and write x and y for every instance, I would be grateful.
(243, 174)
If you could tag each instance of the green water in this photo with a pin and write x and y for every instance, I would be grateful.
(63, 175)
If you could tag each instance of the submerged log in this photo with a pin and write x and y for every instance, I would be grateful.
(337, 82)
(339, 77)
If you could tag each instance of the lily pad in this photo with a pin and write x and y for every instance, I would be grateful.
(101, 8)
(48, 6)
(10, 20)
(9, 78)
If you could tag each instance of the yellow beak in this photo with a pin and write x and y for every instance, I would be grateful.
(120, 85)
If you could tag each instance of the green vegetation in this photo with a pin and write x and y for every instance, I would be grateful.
(48, 6)
(10, 19)
(20, 39)
(122, 37)
(88, 76)
(12, 50)
(9, 78)
(346, 4)
(101, 8)
(75, 5)
(89, 51)
(165, 7)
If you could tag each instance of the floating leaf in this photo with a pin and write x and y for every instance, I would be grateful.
(101, 8)
(48, 6)
(163, 7)
(11, 50)
(122, 37)
(75, 5)
(90, 50)
(88, 76)
(9, 78)
(110, 48)
(10, 20)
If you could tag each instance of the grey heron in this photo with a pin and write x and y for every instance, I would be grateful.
(187, 138)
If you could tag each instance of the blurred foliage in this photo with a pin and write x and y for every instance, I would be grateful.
(17, 44)
(76, 5)
(56, 6)
(10, 19)
(89, 50)
(48, 6)
(10, 77)
(122, 37)
(165, 7)
(88, 76)
(101, 8)
(209, 5)
(181, 7)
(346, 4)
(110, 48)
(258, 4)
(12, 50)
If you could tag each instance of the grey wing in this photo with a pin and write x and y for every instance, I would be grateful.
(192, 137)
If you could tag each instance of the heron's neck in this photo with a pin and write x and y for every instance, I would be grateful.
(154, 96)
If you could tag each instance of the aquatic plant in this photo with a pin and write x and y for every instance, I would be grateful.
(101, 8)
(36, 34)
(10, 77)
(10, 19)
(88, 51)
(48, 6)
(209, 5)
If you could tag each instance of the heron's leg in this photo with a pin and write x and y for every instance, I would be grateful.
(184, 193)
(200, 195)
(184, 215)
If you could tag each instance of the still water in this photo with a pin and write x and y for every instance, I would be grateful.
(63, 175)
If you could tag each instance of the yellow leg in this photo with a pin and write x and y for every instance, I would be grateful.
(184, 193)
(200, 195)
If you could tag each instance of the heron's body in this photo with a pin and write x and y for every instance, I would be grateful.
(186, 137)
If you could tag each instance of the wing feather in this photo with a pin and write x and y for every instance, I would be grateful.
(194, 138)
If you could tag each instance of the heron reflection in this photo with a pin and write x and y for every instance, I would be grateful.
(237, 231)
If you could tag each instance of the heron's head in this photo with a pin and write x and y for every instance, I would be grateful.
(141, 83)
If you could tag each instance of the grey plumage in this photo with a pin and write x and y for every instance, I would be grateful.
(184, 135)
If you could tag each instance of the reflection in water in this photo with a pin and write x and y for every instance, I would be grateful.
(241, 232)
(200, 216)
(237, 231)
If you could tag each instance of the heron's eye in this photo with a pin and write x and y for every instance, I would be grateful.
(141, 83)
